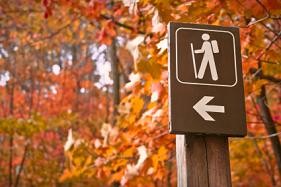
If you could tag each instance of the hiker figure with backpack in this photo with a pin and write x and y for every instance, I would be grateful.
(208, 49)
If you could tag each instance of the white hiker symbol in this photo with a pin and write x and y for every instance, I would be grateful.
(208, 49)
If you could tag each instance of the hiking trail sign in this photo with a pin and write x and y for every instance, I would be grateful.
(205, 80)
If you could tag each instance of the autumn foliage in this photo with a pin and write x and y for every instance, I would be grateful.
(63, 120)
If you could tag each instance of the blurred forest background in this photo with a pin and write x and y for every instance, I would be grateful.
(83, 91)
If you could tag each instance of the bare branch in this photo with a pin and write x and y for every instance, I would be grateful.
(270, 62)
(267, 16)
(257, 21)
(50, 35)
(270, 78)
(120, 24)
(269, 46)
(264, 8)
(270, 29)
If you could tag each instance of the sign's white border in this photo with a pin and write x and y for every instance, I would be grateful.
(206, 84)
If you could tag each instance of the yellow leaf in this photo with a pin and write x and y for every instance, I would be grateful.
(110, 151)
(65, 176)
(154, 159)
(129, 152)
(151, 67)
(137, 105)
(88, 161)
(162, 153)
(119, 163)
(116, 176)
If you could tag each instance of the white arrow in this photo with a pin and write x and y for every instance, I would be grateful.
(202, 108)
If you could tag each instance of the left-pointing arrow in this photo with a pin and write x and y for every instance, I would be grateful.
(202, 108)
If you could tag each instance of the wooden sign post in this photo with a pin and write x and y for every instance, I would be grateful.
(206, 101)
(202, 161)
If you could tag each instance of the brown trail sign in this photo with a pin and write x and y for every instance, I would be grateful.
(206, 97)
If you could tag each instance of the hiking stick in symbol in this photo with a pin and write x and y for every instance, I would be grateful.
(208, 49)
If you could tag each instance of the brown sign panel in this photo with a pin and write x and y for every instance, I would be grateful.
(205, 80)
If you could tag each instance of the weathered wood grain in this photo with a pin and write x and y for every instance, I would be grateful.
(203, 161)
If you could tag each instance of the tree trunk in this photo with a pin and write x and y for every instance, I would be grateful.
(112, 55)
(265, 163)
(11, 138)
(11, 146)
(21, 165)
(269, 126)
(75, 49)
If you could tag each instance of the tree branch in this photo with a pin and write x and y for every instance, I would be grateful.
(265, 162)
(121, 24)
(259, 74)
(264, 8)
(261, 19)
(270, 62)
(269, 46)
(270, 78)
(269, 126)
(115, 76)
(51, 35)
